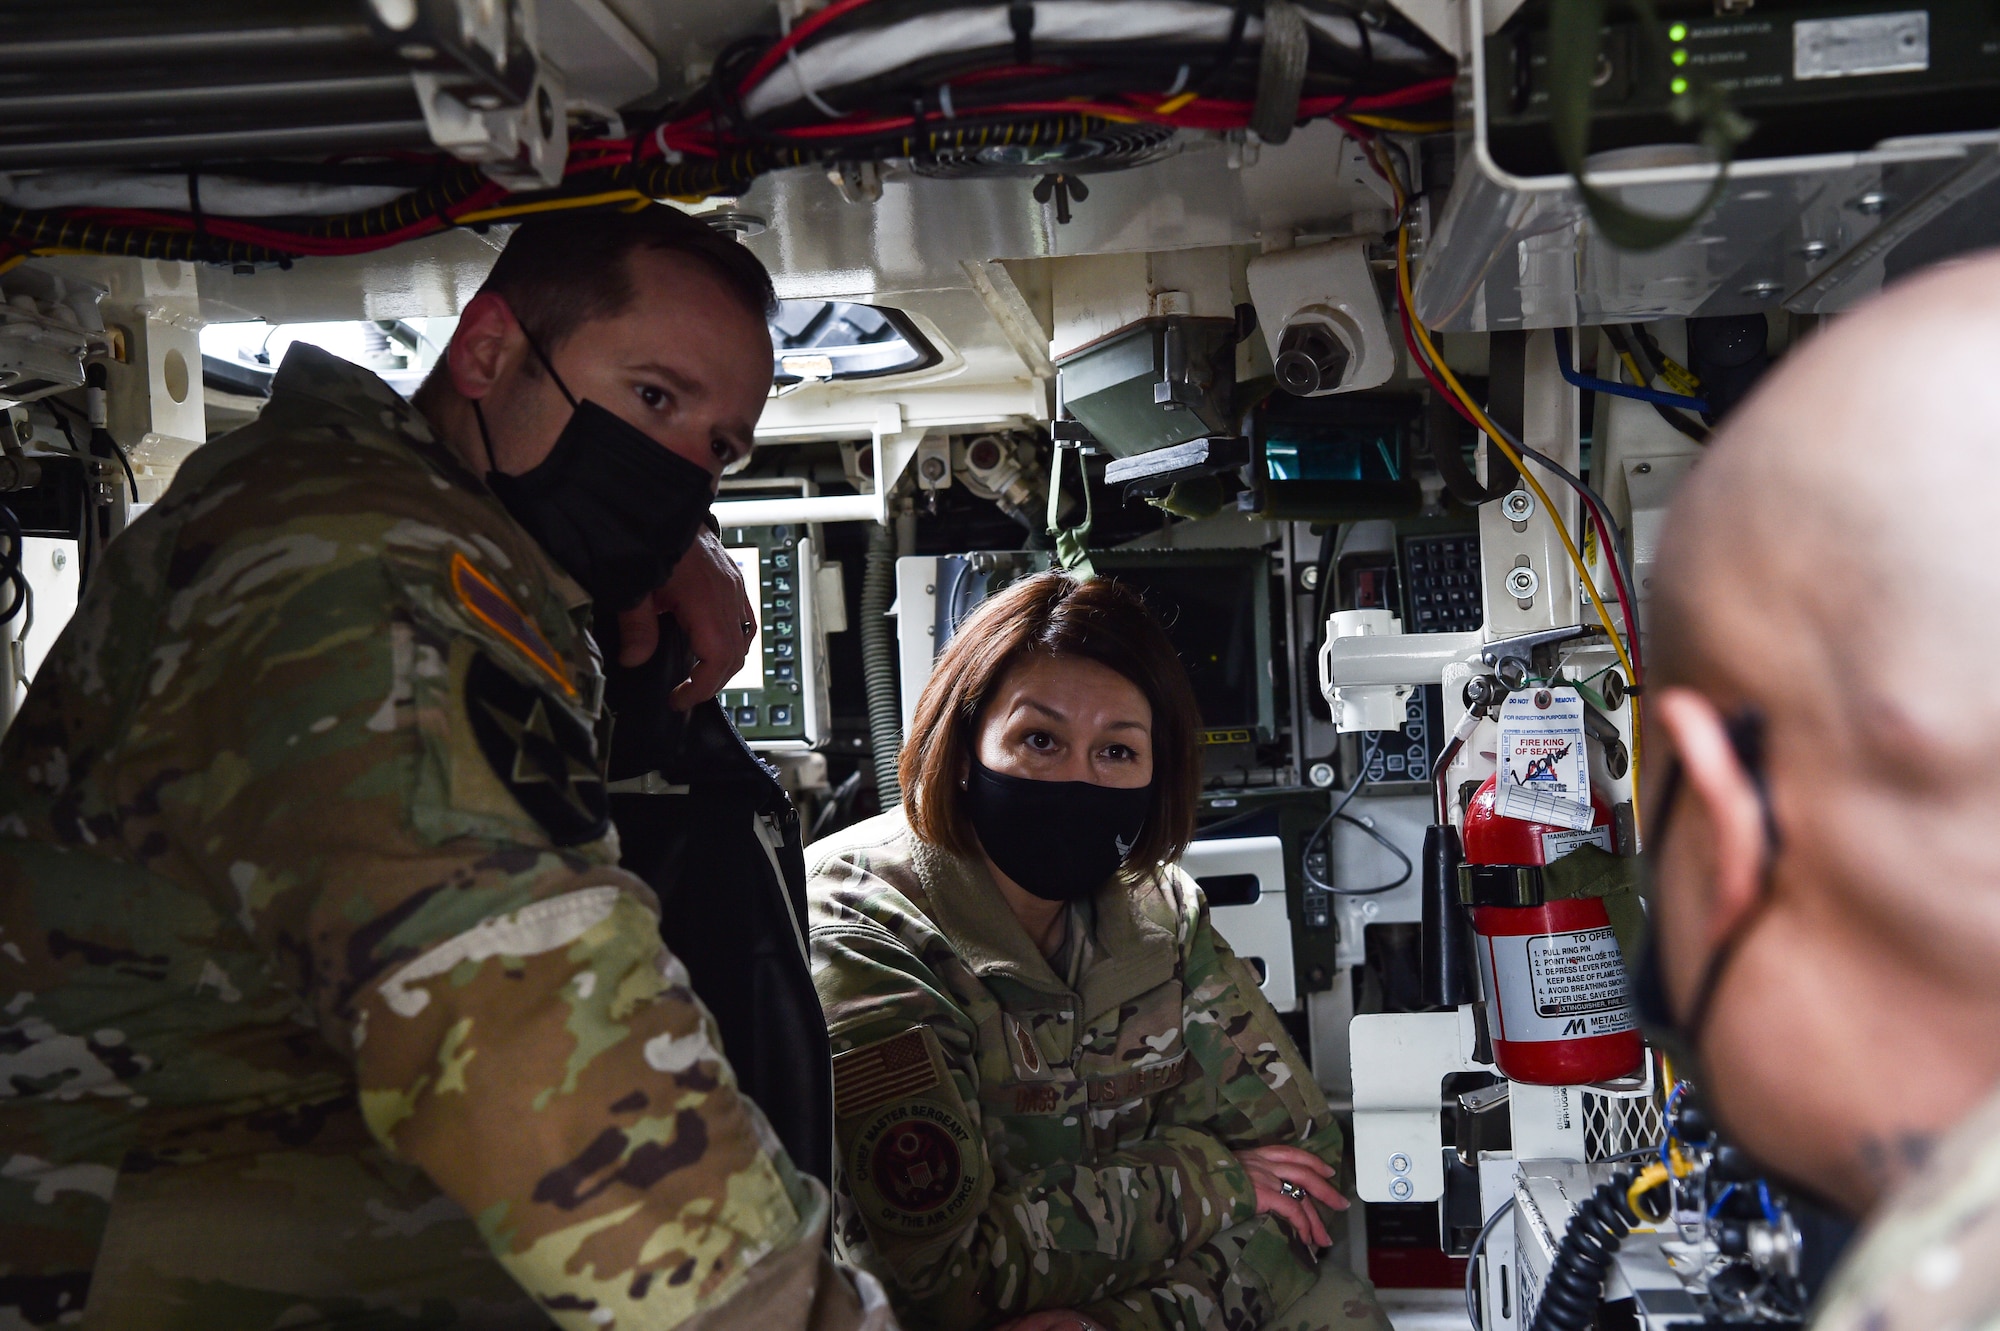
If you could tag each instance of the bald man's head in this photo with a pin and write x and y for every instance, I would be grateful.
(1840, 538)
(1832, 567)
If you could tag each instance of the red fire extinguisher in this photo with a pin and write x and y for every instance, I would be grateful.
(1558, 1004)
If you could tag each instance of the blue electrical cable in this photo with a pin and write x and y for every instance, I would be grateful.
(1764, 1198)
(1593, 384)
(1720, 1198)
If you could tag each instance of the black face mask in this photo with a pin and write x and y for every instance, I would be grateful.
(1060, 840)
(1682, 1039)
(610, 504)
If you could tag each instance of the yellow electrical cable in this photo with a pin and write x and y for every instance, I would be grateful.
(1408, 296)
(553, 205)
(1173, 104)
(1651, 1177)
(1500, 442)
(8, 265)
(1395, 126)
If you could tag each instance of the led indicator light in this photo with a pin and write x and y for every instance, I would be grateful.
(1678, 32)
(1680, 55)
(1679, 85)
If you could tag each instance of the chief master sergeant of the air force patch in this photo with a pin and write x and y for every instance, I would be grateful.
(910, 1157)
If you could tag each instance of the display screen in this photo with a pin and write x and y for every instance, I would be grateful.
(1210, 612)
(751, 676)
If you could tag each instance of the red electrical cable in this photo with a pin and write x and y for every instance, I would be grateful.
(769, 60)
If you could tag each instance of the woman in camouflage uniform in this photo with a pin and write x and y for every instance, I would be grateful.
(1060, 1098)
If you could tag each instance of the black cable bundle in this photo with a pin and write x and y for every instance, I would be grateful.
(1575, 1283)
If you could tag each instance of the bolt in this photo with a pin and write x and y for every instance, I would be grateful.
(1871, 203)
(1320, 774)
(60, 558)
(1401, 1188)
(1814, 250)
(1519, 506)
(1522, 583)
(934, 469)
(1763, 290)
(1309, 577)
(1643, 468)
(1399, 1163)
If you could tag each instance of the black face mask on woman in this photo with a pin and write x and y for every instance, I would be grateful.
(613, 506)
(1060, 840)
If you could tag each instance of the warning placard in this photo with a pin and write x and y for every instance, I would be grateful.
(1573, 975)
(1544, 777)
(1574, 980)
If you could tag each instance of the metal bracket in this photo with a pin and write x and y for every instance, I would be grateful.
(1512, 658)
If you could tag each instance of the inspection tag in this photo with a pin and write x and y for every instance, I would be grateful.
(1543, 777)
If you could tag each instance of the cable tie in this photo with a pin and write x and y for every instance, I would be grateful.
(1180, 82)
(671, 156)
(944, 101)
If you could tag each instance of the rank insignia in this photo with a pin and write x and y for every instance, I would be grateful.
(540, 752)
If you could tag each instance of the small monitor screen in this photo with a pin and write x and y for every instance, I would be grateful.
(1210, 610)
(751, 676)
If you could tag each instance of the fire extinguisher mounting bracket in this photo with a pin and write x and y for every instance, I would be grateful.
(1501, 885)
(1513, 658)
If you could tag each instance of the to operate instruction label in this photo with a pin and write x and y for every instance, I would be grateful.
(1574, 985)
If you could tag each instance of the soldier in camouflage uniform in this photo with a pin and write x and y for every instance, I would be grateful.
(1025, 1129)
(322, 999)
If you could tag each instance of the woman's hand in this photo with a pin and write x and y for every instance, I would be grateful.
(1050, 1319)
(1270, 1169)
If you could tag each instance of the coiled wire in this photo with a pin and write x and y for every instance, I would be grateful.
(20, 597)
(1575, 1282)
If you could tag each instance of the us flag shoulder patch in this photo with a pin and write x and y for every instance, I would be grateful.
(897, 1068)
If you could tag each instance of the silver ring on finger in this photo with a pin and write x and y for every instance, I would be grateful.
(1291, 1190)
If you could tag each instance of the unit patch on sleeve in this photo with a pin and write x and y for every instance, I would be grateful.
(541, 753)
(914, 1168)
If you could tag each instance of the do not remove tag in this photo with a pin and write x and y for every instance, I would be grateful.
(1543, 777)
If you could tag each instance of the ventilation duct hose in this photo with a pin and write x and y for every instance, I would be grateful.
(1575, 1284)
(878, 665)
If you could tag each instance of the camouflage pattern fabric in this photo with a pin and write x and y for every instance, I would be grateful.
(1929, 1260)
(322, 1001)
(1013, 1140)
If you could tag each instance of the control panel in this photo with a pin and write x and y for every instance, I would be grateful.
(778, 699)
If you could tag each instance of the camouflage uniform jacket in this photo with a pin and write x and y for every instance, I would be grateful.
(1011, 1140)
(319, 988)
(1929, 1260)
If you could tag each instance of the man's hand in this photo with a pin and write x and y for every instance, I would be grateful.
(706, 598)
(1271, 1167)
